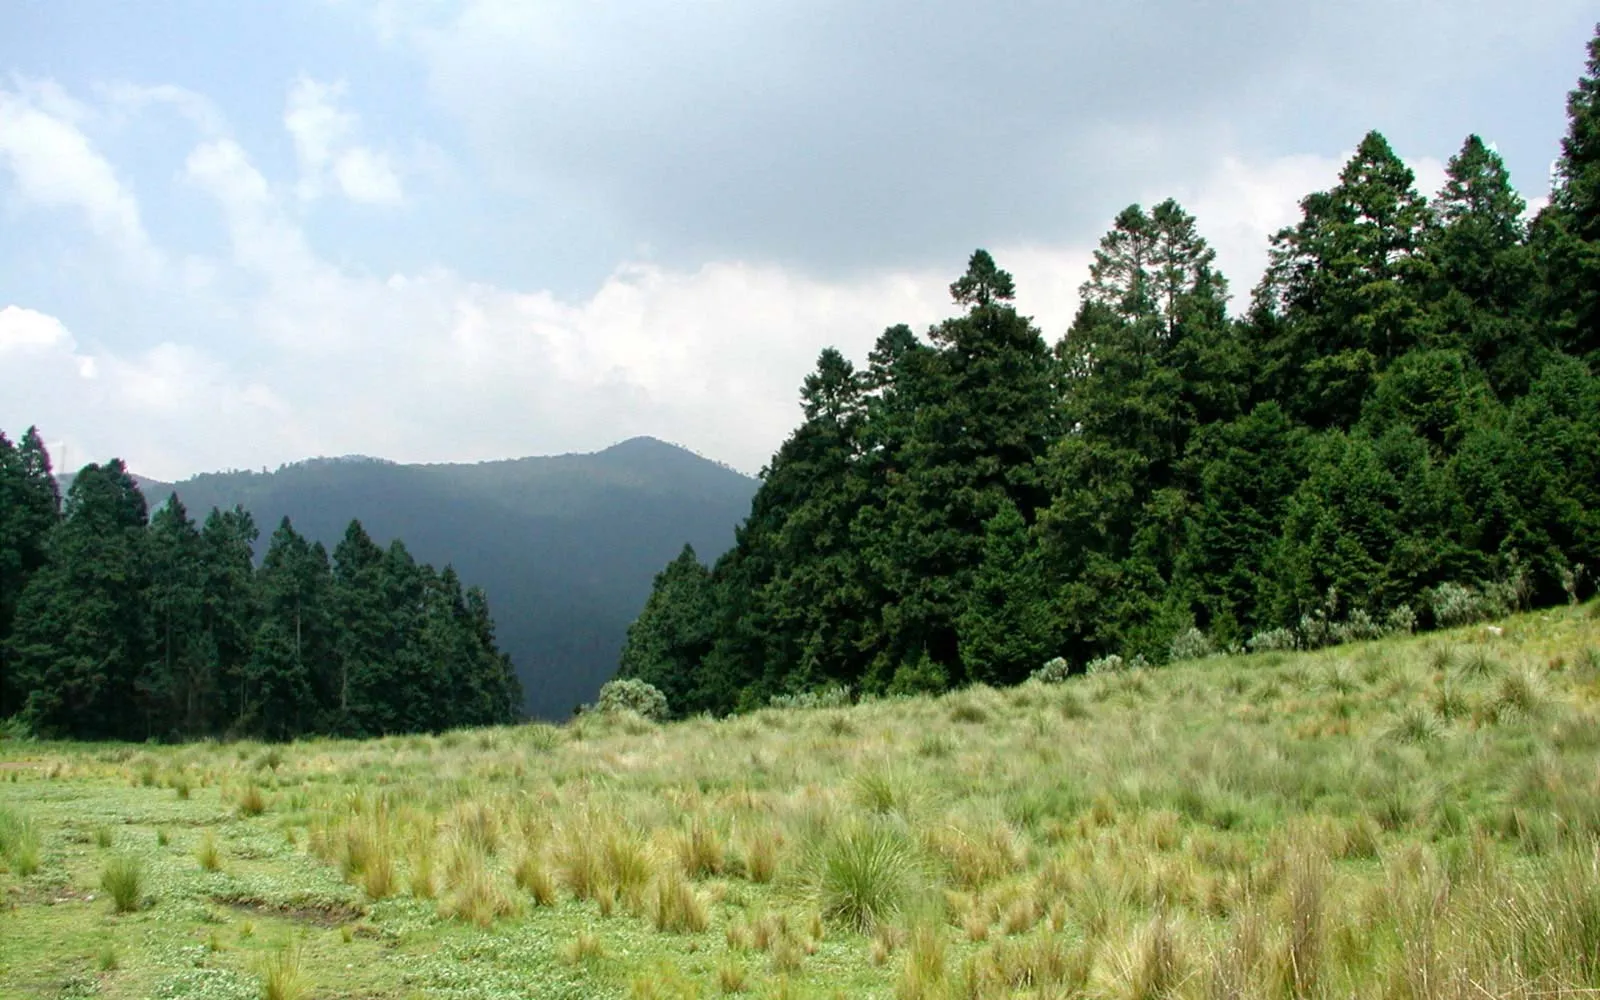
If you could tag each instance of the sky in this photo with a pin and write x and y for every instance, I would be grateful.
(240, 235)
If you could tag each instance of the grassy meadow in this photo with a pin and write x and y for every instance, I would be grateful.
(1411, 818)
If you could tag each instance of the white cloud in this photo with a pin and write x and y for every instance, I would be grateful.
(24, 331)
(324, 143)
(55, 165)
(429, 365)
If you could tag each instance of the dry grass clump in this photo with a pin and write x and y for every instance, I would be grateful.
(251, 800)
(675, 907)
(761, 855)
(585, 947)
(207, 853)
(282, 975)
(699, 849)
(534, 876)
(475, 894)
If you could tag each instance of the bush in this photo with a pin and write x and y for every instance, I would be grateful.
(1273, 640)
(1455, 604)
(1359, 627)
(1053, 672)
(833, 696)
(633, 695)
(1110, 664)
(1400, 621)
(1191, 644)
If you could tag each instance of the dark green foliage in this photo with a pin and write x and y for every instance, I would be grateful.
(1408, 403)
(1567, 234)
(81, 643)
(131, 631)
(567, 545)
(30, 505)
(674, 633)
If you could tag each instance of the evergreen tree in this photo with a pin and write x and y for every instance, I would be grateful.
(363, 636)
(1483, 270)
(81, 638)
(1567, 235)
(30, 506)
(293, 648)
(986, 413)
(1005, 628)
(674, 633)
(1343, 295)
(182, 674)
(231, 615)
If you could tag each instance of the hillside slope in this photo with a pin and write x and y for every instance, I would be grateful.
(566, 546)
(1414, 818)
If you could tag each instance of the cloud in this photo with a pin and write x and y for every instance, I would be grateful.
(858, 135)
(55, 165)
(324, 143)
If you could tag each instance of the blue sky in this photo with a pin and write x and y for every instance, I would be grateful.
(235, 235)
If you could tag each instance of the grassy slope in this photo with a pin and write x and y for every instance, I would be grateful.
(1411, 818)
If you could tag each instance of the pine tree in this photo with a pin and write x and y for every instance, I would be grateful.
(1483, 270)
(674, 633)
(986, 412)
(1343, 294)
(1005, 627)
(182, 674)
(81, 637)
(231, 615)
(363, 636)
(293, 653)
(1567, 234)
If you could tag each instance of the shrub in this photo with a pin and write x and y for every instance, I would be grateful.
(1053, 672)
(1109, 664)
(123, 878)
(1191, 644)
(1455, 604)
(1400, 621)
(832, 696)
(1273, 640)
(634, 695)
(1359, 627)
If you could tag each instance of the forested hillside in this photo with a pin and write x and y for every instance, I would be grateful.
(117, 623)
(1399, 427)
(565, 545)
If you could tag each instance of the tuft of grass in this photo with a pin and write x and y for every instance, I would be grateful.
(533, 876)
(252, 801)
(19, 842)
(924, 971)
(207, 853)
(123, 878)
(475, 895)
(282, 975)
(732, 976)
(1519, 693)
(1414, 726)
(585, 947)
(103, 837)
(761, 856)
(674, 905)
(700, 850)
(1157, 964)
(862, 875)
(107, 960)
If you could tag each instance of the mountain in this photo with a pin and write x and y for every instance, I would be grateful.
(566, 546)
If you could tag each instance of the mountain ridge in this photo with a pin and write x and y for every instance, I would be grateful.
(566, 546)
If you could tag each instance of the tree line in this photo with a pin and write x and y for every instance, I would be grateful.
(119, 623)
(1406, 415)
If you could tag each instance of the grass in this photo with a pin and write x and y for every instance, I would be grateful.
(1415, 817)
(123, 880)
